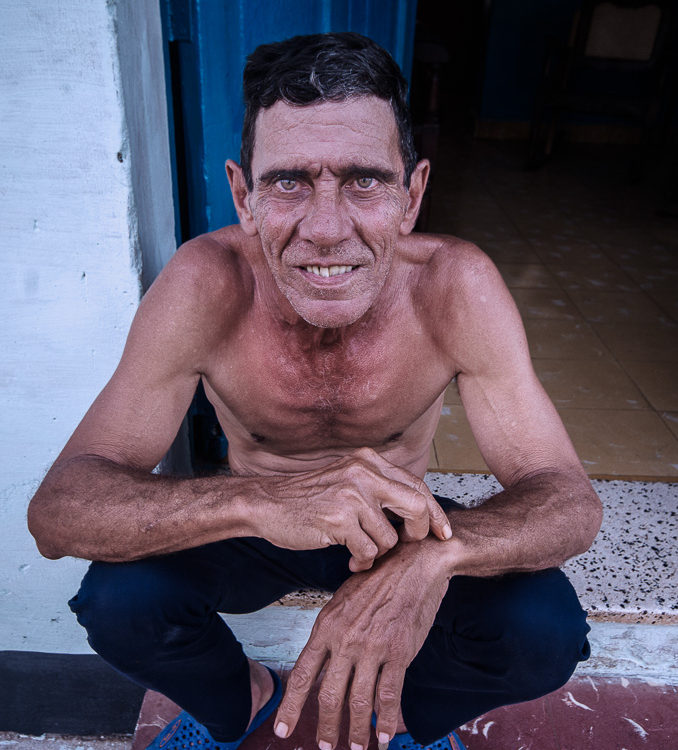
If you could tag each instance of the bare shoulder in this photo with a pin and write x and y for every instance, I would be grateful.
(460, 266)
(470, 306)
(211, 268)
(454, 272)
(198, 297)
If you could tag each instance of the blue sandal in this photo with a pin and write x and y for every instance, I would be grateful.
(185, 733)
(404, 741)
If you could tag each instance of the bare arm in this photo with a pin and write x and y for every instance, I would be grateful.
(548, 510)
(100, 500)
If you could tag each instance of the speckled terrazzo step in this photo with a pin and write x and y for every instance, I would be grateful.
(630, 573)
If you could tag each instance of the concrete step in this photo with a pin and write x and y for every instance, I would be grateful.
(597, 713)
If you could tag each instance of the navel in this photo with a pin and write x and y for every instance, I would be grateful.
(394, 437)
(257, 437)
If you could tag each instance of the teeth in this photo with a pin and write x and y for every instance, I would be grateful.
(326, 271)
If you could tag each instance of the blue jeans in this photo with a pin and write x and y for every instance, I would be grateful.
(494, 641)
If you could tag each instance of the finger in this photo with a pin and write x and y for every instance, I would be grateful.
(331, 698)
(438, 520)
(412, 507)
(388, 695)
(361, 705)
(407, 495)
(424, 513)
(363, 550)
(299, 684)
(375, 524)
(391, 471)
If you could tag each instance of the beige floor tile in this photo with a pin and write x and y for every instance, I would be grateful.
(622, 443)
(649, 255)
(613, 307)
(512, 250)
(667, 299)
(658, 381)
(595, 384)
(564, 251)
(563, 339)
(665, 235)
(671, 421)
(455, 445)
(602, 279)
(544, 303)
(640, 342)
(653, 277)
(531, 275)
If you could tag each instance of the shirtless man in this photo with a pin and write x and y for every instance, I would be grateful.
(325, 333)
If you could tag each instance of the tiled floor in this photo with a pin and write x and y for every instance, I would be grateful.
(594, 272)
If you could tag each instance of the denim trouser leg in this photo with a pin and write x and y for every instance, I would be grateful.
(156, 620)
(495, 641)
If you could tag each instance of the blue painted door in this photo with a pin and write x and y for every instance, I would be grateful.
(207, 42)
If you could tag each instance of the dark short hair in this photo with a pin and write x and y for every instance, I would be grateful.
(323, 68)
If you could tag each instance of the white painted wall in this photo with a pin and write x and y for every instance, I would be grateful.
(78, 223)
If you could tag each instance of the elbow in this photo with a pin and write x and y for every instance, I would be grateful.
(41, 525)
(590, 520)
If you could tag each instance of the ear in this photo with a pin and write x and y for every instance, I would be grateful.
(416, 192)
(236, 179)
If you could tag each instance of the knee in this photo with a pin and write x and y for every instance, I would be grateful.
(544, 635)
(130, 607)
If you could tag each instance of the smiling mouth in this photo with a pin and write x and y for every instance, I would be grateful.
(327, 271)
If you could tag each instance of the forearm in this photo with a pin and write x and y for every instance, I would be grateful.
(539, 523)
(93, 508)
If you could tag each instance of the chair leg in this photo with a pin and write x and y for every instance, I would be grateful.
(542, 136)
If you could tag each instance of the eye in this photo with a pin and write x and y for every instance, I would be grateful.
(365, 182)
(287, 184)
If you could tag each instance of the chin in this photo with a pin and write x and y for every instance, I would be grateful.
(332, 314)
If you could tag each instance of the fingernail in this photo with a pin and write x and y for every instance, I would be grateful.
(382, 745)
(356, 746)
(281, 729)
(324, 745)
(384, 739)
(447, 531)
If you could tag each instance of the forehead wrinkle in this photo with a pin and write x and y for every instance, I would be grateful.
(331, 135)
(285, 118)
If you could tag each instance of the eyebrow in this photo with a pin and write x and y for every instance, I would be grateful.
(275, 174)
(349, 171)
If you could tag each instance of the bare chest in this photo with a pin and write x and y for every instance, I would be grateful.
(296, 398)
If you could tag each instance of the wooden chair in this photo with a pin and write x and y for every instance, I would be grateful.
(618, 63)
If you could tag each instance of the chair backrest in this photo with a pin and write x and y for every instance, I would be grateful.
(622, 33)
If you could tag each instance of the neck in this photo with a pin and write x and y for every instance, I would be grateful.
(310, 337)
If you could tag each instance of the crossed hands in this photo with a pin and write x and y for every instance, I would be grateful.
(375, 624)
(343, 503)
(366, 636)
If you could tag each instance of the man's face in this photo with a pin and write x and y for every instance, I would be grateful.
(328, 204)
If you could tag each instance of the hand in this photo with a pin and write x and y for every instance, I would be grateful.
(370, 631)
(343, 503)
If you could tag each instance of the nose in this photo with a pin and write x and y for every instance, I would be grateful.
(326, 222)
